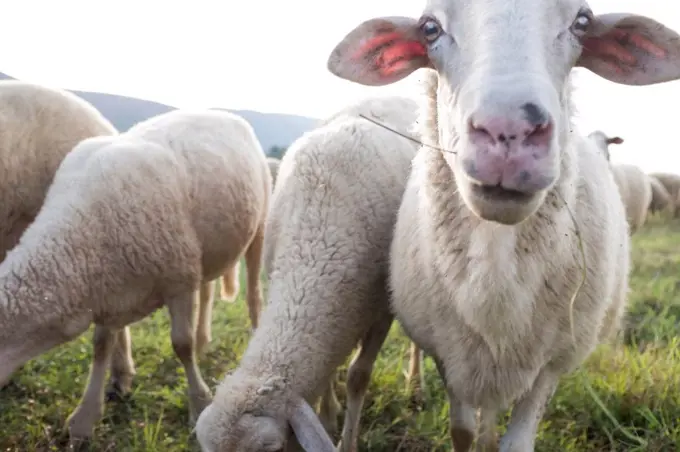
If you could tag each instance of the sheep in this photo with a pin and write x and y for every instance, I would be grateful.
(635, 187)
(230, 280)
(671, 183)
(132, 223)
(486, 254)
(273, 167)
(415, 381)
(39, 125)
(603, 141)
(661, 199)
(326, 249)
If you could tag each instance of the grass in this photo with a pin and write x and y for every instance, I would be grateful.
(624, 398)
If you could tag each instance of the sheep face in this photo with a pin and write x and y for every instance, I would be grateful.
(250, 433)
(248, 415)
(502, 100)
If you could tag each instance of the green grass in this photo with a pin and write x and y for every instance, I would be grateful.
(625, 398)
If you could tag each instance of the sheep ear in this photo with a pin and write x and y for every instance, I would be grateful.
(379, 52)
(272, 384)
(308, 430)
(614, 140)
(631, 50)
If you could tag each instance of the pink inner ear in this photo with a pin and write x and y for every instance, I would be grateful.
(390, 52)
(607, 46)
(399, 56)
(373, 43)
(616, 45)
(640, 41)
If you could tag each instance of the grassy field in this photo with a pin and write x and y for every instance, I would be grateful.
(624, 399)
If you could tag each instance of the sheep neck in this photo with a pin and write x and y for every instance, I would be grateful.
(33, 315)
(280, 348)
(32, 293)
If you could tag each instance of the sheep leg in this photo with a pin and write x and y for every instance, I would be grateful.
(181, 310)
(415, 380)
(330, 407)
(91, 407)
(122, 366)
(204, 323)
(462, 416)
(358, 378)
(487, 438)
(230, 282)
(527, 413)
(254, 266)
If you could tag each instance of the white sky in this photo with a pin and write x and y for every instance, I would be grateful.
(271, 56)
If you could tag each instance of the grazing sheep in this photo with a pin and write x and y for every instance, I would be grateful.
(661, 199)
(38, 127)
(273, 167)
(130, 224)
(671, 183)
(603, 141)
(230, 289)
(230, 280)
(326, 254)
(486, 263)
(635, 189)
(415, 381)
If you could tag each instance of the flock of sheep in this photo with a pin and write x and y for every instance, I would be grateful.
(642, 194)
(499, 238)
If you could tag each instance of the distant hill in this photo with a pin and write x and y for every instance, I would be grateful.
(272, 129)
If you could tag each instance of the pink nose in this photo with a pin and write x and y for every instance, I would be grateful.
(531, 126)
(510, 151)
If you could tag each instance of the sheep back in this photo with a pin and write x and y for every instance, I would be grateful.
(635, 191)
(671, 183)
(326, 254)
(273, 167)
(338, 192)
(39, 126)
(149, 213)
(661, 199)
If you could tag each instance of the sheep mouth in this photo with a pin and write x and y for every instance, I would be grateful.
(500, 194)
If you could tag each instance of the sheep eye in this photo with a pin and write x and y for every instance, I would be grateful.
(582, 23)
(431, 30)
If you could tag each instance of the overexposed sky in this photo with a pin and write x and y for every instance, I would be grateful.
(270, 55)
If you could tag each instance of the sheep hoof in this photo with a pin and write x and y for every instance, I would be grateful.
(119, 389)
(10, 381)
(79, 444)
(330, 425)
(7, 384)
(197, 404)
(416, 397)
(416, 402)
(341, 448)
(81, 427)
(202, 345)
(114, 394)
